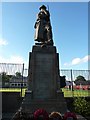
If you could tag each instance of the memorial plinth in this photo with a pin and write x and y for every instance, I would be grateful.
(44, 81)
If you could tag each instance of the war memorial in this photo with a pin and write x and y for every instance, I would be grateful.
(43, 98)
(43, 74)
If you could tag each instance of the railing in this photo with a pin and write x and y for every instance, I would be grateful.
(21, 81)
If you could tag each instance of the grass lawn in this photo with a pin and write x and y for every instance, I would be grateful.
(76, 93)
(67, 93)
(13, 90)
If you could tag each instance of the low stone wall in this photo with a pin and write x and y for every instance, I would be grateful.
(11, 102)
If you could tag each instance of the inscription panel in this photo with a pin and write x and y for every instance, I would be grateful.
(43, 79)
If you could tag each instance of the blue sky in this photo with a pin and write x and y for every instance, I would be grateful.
(69, 22)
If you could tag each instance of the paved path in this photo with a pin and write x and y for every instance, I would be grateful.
(79, 117)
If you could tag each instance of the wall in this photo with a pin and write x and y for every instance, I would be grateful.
(11, 102)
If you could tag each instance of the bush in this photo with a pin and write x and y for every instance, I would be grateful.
(82, 106)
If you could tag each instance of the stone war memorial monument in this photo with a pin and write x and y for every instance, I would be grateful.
(43, 75)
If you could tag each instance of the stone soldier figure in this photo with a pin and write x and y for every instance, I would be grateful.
(43, 30)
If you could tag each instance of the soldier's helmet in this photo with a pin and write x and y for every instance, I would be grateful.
(42, 7)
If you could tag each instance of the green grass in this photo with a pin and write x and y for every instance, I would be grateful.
(76, 93)
(13, 90)
(67, 93)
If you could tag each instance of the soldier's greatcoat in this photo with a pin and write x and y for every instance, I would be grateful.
(42, 27)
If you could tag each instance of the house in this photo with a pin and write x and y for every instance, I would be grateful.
(18, 82)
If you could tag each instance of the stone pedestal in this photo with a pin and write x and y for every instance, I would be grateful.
(43, 81)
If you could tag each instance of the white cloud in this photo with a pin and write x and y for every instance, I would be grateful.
(66, 64)
(12, 59)
(14, 66)
(3, 42)
(15, 59)
(77, 61)
(86, 58)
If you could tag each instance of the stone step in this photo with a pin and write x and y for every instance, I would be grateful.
(48, 105)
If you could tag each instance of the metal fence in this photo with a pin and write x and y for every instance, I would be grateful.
(12, 69)
(71, 75)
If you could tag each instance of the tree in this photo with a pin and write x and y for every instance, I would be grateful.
(88, 82)
(5, 79)
(18, 74)
(80, 80)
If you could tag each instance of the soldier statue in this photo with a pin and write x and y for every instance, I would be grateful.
(43, 29)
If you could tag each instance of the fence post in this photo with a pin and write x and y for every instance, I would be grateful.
(72, 82)
(89, 85)
(22, 80)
